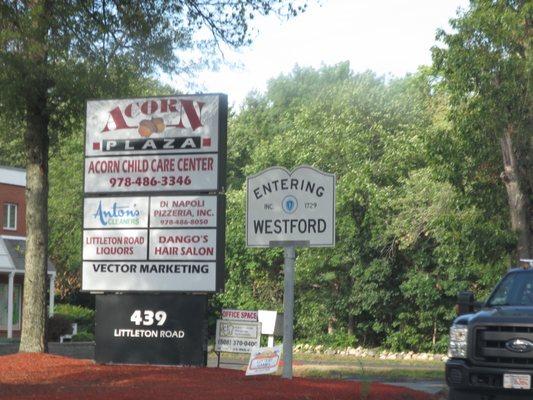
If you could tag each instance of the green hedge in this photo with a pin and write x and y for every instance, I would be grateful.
(83, 316)
(83, 337)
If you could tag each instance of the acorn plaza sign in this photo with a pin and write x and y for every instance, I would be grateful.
(154, 221)
(290, 209)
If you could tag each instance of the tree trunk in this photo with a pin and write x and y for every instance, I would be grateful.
(331, 326)
(34, 315)
(351, 325)
(36, 258)
(518, 201)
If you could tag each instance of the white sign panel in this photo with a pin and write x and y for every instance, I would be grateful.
(271, 322)
(149, 276)
(297, 206)
(131, 244)
(239, 315)
(237, 336)
(193, 172)
(264, 360)
(183, 211)
(160, 125)
(108, 244)
(183, 244)
(115, 212)
(145, 148)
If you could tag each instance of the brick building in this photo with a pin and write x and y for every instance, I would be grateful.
(12, 248)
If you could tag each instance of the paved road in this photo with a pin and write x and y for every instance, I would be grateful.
(432, 387)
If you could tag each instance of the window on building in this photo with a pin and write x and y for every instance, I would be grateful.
(10, 216)
(4, 290)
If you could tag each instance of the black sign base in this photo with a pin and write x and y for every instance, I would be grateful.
(163, 329)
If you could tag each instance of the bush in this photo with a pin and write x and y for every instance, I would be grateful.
(58, 325)
(84, 317)
(83, 337)
(337, 340)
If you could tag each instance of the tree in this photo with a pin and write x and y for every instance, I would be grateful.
(368, 133)
(408, 237)
(50, 49)
(486, 68)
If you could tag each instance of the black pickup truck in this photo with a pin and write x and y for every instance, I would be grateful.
(491, 350)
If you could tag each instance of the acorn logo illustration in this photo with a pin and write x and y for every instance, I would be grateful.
(147, 126)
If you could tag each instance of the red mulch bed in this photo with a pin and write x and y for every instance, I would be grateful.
(48, 377)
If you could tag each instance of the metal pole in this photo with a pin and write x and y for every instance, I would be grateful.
(10, 305)
(288, 311)
(51, 294)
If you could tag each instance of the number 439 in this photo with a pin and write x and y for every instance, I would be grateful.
(148, 317)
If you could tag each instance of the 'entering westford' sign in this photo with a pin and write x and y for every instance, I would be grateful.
(297, 206)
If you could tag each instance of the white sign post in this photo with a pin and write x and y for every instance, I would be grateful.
(289, 209)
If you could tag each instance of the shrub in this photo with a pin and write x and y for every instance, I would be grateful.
(337, 340)
(83, 337)
(83, 316)
(58, 325)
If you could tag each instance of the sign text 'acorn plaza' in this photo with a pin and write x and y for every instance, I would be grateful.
(153, 216)
(164, 144)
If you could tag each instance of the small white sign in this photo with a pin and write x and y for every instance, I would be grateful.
(297, 206)
(159, 173)
(104, 244)
(239, 315)
(264, 360)
(237, 336)
(271, 322)
(115, 212)
(183, 244)
(183, 211)
(149, 276)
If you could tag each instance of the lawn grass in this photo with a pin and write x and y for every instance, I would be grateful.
(346, 367)
(381, 374)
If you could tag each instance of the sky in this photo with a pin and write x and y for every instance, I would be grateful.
(390, 37)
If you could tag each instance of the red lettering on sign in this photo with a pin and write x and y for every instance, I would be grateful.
(115, 115)
(190, 109)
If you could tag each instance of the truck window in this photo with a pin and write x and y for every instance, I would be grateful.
(516, 289)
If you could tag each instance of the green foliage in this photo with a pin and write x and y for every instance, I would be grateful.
(84, 317)
(408, 240)
(421, 211)
(337, 340)
(83, 336)
(251, 276)
(484, 67)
